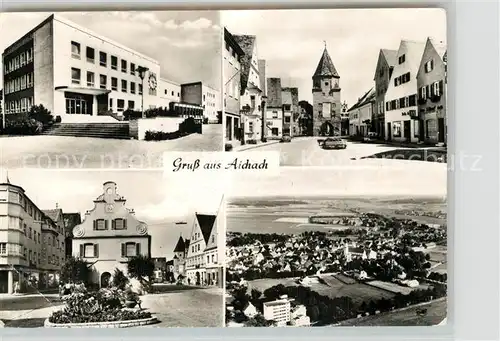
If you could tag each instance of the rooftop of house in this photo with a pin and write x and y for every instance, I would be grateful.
(325, 66)
(206, 222)
(53, 214)
(180, 246)
(247, 44)
(366, 98)
(391, 56)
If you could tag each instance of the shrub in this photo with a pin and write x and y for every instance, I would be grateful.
(22, 124)
(41, 114)
(140, 267)
(228, 147)
(119, 279)
(190, 126)
(152, 135)
(58, 119)
(75, 270)
(130, 115)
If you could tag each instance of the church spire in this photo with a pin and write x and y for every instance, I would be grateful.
(325, 66)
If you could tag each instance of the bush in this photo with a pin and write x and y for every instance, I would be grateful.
(189, 126)
(228, 147)
(152, 135)
(75, 270)
(22, 124)
(40, 114)
(58, 119)
(119, 279)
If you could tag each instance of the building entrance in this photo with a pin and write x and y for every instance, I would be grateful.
(79, 104)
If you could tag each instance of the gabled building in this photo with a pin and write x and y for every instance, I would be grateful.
(401, 116)
(109, 235)
(291, 111)
(326, 98)
(383, 72)
(196, 261)
(360, 114)
(233, 55)
(432, 86)
(305, 119)
(274, 109)
(250, 92)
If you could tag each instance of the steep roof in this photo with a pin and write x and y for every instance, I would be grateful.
(206, 222)
(247, 44)
(367, 97)
(274, 93)
(440, 47)
(181, 246)
(391, 56)
(54, 214)
(325, 67)
(286, 96)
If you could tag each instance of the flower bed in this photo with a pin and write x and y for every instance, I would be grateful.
(106, 307)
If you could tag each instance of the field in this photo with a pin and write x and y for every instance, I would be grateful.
(395, 288)
(436, 313)
(358, 292)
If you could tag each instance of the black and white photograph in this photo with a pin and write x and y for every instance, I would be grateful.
(90, 84)
(353, 247)
(332, 86)
(117, 249)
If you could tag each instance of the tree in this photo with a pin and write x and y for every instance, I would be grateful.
(141, 268)
(258, 321)
(75, 270)
(41, 114)
(119, 279)
(255, 294)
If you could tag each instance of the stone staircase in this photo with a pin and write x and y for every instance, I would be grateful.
(115, 130)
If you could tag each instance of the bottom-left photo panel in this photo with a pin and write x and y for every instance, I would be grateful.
(105, 249)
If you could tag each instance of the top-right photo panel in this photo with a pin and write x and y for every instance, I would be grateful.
(337, 87)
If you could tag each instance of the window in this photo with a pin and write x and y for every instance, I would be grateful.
(131, 249)
(111, 104)
(131, 105)
(30, 80)
(132, 69)
(124, 85)
(208, 259)
(437, 88)
(90, 52)
(412, 100)
(275, 113)
(401, 59)
(75, 50)
(429, 66)
(114, 83)
(90, 79)
(103, 81)
(416, 128)
(287, 119)
(213, 258)
(396, 126)
(114, 63)
(124, 66)
(119, 224)
(287, 107)
(89, 250)
(132, 87)
(140, 89)
(430, 128)
(3, 248)
(75, 75)
(423, 93)
(103, 59)
(121, 104)
(250, 127)
(100, 224)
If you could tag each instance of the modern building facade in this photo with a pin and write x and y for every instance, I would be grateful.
(32, 245)
(383, 72)
(232, 87)
(250, 89)
(401, 116)
(109, 235)
(77, 74)
(274, 109)
(170, 92)
(326, 98)
(202, 254)
(278, 311)
(432, 86)
(204, 96)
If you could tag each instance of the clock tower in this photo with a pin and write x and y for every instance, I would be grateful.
(326, 98)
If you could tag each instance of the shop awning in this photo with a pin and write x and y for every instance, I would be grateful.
(86, 91)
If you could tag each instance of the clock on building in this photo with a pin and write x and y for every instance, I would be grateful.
(152, 82)
(109, 208)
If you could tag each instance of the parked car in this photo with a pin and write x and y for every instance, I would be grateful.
(334, 143)
(371, 137)
(286, 138)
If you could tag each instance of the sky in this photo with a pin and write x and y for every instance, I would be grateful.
(292, 41)
(157, 200)
(186, 43)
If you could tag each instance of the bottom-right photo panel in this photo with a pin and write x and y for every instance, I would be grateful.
(307, 258)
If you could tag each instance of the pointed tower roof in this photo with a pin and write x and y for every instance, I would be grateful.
(325, 66)
(181, 246)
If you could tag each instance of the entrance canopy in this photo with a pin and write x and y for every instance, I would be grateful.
(86, 91)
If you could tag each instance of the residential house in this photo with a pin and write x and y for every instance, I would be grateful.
(291, 110)
(383, 72)
(298, 316)
(109, 235)
(274, 109)
(432, 86)
(233, 55)
(360, 114)
(326, 98)
(401, 116)
(351, 252)
(250, 310)
(250, 91)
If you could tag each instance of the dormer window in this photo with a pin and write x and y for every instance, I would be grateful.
(402, 59)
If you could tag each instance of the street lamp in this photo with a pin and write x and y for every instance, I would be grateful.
(142, 74)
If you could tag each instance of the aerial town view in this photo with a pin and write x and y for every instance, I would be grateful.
(99, 83)
(107, 254)
(323, 88)
(319, 261)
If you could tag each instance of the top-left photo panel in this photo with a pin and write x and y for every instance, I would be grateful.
(108, 89)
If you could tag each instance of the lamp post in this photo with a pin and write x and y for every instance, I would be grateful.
(142, 74)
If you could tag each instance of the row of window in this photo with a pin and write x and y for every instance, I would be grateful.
(90, 56)
(403, 102)
(18, 105)
(19, 61)
(120, 104)
(428, 91)
(116, 224)
(91, 250)
(431, 90)
(76, 78)
(9, 249)
(397, 128)
(172, 93)
(405, 78)
(198, 260)
(19, 83)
